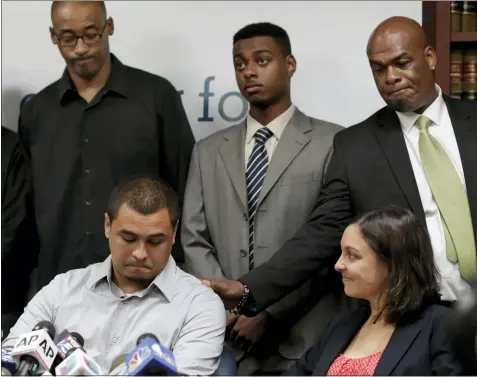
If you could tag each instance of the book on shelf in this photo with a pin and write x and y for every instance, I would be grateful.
(469, 74)
(469, 16)
(456, 15)
(463, 73)
(456, 70)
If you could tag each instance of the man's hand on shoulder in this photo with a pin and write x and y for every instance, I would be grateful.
(230, 291)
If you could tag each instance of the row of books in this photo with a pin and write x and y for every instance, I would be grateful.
(463, 73)
(464, 16)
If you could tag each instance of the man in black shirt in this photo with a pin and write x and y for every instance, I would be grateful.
(19, 237)
(101, 122)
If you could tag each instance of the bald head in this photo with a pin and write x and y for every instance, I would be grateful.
(402, 64)
(402, 26)
(56, 5)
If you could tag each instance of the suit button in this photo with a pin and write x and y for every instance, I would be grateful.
(243, 253)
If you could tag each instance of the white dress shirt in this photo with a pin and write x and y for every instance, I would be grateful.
(276, 126)
(453, 287)
(186, 316)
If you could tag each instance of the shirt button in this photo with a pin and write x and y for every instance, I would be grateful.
(88, 233)
(115, 340)
(88, 203)
(245, 217)
(243, 253)
(86, 140)
(87, 171)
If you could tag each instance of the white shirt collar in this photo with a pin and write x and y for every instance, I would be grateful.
(434, 112)
(276, 126)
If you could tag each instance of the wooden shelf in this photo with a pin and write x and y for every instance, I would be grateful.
(464, 36)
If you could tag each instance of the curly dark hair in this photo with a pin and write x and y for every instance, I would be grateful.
(402, 242)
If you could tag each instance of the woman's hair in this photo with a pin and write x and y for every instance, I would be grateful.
(402, 242)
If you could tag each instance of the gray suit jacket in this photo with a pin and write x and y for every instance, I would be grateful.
(214, 220)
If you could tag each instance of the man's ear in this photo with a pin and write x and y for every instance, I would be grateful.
(107, 225)
(291, 65)
(110, 26)
(53, 36)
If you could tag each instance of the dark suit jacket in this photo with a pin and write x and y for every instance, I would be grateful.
(370, 168)
(418, 346)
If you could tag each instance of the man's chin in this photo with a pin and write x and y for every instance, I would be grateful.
(402, 105)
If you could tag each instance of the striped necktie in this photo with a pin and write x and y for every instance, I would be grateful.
(257, 166)
(451, 198)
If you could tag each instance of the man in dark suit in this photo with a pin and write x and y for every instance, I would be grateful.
(418, 152)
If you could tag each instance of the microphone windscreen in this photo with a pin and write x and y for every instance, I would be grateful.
(146, 335)
(78, 338)
(48, 326)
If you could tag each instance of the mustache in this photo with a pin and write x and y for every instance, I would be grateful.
(80, 59)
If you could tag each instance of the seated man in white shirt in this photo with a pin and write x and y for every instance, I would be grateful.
(138, 289)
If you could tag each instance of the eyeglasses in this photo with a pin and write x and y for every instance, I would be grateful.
(88, 38)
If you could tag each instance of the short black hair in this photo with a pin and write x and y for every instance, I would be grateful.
(265, 29)
(145, 194)
(56, 4)
(402, 242)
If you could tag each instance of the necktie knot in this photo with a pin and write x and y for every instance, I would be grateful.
(262, 135)
(423, 123)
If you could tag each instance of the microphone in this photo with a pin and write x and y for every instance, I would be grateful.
(65, 342)
(118, 367)
(8, 365)
(68, 342)
(35, 351)
(150, 358)
(78, 363)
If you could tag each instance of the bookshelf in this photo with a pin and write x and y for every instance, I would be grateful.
(436, 21)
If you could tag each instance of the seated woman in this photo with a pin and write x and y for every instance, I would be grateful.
(387, 260)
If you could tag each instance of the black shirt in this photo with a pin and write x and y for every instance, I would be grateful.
(79, 151)
(19, 236)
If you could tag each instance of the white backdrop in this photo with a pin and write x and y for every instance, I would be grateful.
(187, 42)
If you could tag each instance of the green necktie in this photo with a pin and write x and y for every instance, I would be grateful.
(451, 198)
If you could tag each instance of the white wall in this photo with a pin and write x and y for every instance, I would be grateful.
(187, 42)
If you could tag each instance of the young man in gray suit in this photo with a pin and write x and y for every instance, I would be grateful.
(250, 188)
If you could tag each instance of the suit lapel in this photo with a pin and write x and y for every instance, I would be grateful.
(391, 139)
(398, 345)
(339, 341)
(465, 130)
(233, 155)
(292, 141)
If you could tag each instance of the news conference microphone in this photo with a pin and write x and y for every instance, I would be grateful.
(78, 363)
(118, 367)
(35, 351)
(69, 341)
(8, 365)
(150, 358)
(65, 342)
